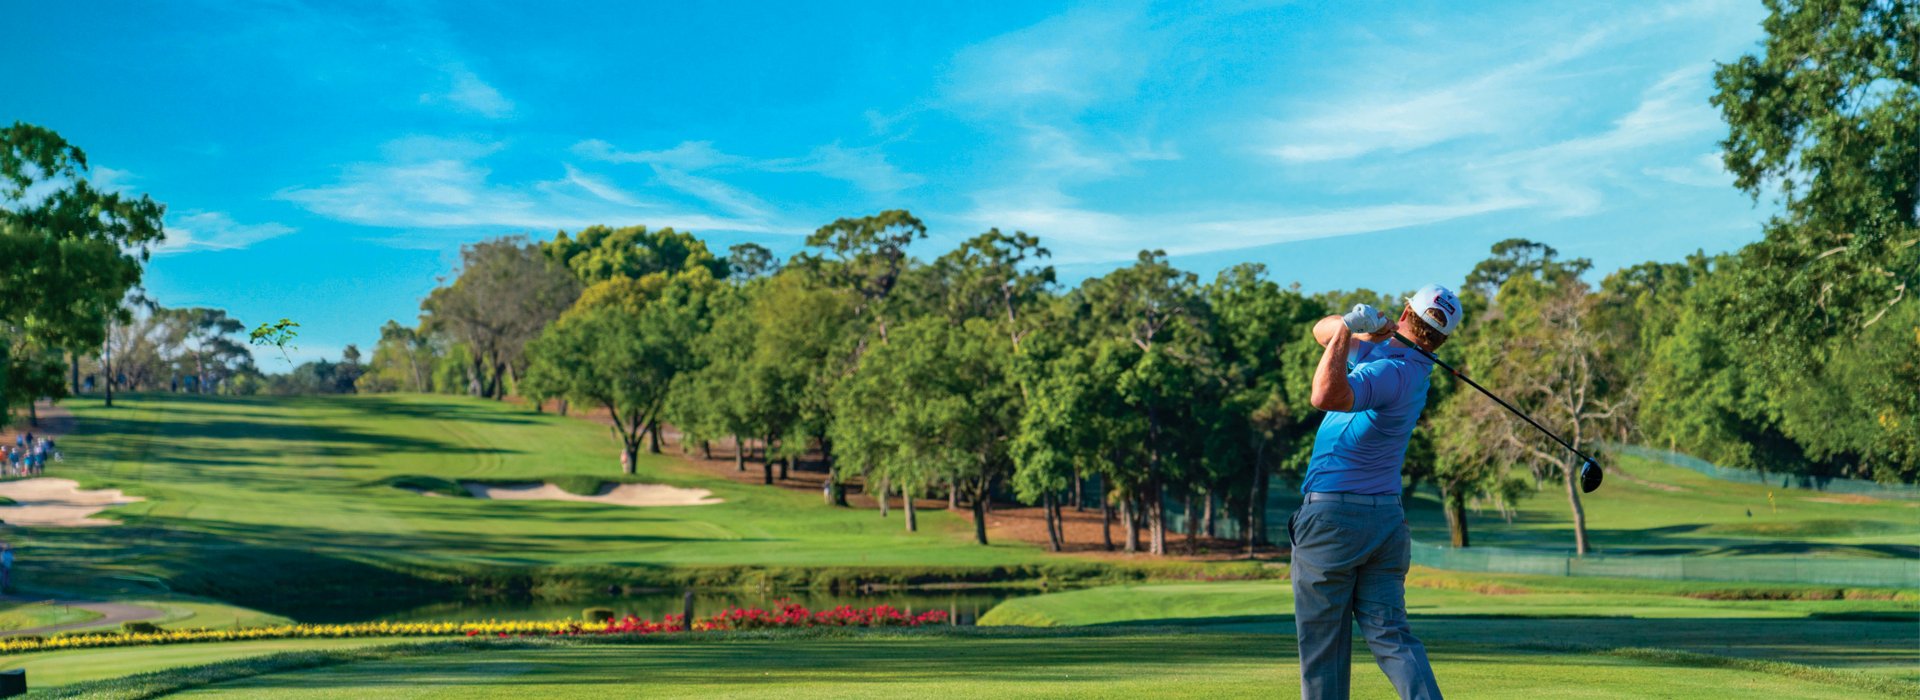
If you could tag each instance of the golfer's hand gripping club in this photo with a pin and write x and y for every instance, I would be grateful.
(1364, 319)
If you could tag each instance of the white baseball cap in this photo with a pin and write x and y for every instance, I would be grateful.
(1441, 301)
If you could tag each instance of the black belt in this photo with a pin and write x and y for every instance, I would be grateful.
(1388, 500)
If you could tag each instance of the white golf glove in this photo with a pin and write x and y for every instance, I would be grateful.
(1364, 319)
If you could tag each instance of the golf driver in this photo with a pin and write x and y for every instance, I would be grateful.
(1590, 473)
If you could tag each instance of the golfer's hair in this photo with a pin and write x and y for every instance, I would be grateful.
(1426, 334)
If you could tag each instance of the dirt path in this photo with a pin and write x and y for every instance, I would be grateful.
(55, 421)
(111, 615)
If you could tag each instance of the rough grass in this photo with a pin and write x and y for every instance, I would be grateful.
(1140, 662)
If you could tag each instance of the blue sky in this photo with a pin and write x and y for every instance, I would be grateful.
(325, 161)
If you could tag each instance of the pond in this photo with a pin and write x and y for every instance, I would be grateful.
(964, 606)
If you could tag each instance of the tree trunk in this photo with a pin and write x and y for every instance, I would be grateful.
(632, 449)
(766, 460)
(1456, 509)
(906, 504)
(653, 436)
(1579, 513)
(1106, 523)
(1206, 516)
(1053, 522)
(563, 407)
(953, 493)
(1256, 515)
(73, 364)
(739, 454)
(1154, 509)
(1193, 525)
(33, 413)
(785, 466)
(106, 354)
(706, 449)
(1130, 517)
(980, 515)
(1079, 500)
(886, 492)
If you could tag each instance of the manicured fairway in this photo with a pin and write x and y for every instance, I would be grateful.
(52, 668)
(286, 492)
(1880, 638)
(1144, 665)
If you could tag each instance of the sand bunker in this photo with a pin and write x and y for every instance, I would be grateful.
(620, 495)
(45, 502)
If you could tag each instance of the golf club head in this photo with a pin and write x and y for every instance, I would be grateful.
(1590, 475)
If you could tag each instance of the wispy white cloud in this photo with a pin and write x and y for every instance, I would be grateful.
(1707, 170)
(436, 183)
(465, 90)
(688, 155)
(600, 187)
(108, 179)
(1082, 234)
(212, 230)
(1072, 61)
(728, 198)
(866, 168)
(1570, 177)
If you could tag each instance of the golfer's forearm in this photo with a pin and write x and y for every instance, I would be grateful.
(1325, 329)
(1330, 389)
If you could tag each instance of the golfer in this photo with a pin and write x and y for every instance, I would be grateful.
(1350, 542)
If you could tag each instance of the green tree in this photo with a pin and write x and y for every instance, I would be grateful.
(749, 261)
(600, 253)
(1260, 420)
(622, 346)
(86, 246)
(1827, 118)
(1538, 349)
(867, 255)
(208, 347)
(505, 293)
(1156, 309)
(403, 360)
(963, 409)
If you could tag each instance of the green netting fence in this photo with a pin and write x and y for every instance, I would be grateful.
(1884, 573)
(1856, 487)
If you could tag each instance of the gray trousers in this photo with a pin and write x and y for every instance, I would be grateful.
(1350, 565)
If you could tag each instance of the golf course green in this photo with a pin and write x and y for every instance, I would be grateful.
(257, 510)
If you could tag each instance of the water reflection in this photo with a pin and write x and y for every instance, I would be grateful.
(963, 607)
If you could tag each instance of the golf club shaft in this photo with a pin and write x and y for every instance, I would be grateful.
(1503, 404)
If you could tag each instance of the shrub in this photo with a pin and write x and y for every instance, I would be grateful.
(139, 627)
(597, 614)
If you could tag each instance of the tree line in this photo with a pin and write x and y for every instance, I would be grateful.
(974, 372)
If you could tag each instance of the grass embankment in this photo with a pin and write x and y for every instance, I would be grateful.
(957, 663)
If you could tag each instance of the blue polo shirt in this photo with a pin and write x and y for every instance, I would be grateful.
(1360, 451)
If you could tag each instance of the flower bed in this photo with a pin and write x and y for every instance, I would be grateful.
(782, 616)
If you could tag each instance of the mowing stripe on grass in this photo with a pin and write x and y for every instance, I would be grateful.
(1676, 657)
